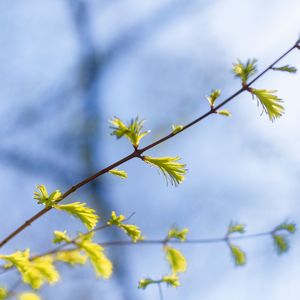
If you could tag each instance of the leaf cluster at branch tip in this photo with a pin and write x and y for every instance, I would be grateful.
(172, 170)
(132, 131)
(245, 70)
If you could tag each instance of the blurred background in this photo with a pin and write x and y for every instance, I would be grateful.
(68, 66)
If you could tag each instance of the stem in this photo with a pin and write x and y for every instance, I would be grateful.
(138, 152)
(161, 295)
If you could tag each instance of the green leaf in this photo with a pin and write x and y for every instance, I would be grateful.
(245, 71)
(175, 233)
(172, 170)
(289, 227)
(281, 243)
(29, 296)
(143, 283)
(132, 131)
(80, 211)
(61, 236)
(36, 272)
(132, 231)
(74, 257)
(101, 264)
(236, 228)
(171, 280)
(224, 112)
(176, 260)
(238, 255)
(176, 128)
(42, 197)
(119, 173)
(286, 68)
(270, 103)
(213, 97)
(3, 293)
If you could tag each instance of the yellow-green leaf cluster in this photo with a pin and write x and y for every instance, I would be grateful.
(245, 70)
(236, 228)
(224, 112)
(35, 272)
(286, 68)
(143, 283)
(176, 128)
(131, 230)
(74, 257)
(172, 170)
(80, 211)
(132, 131)
(29, 296)
(171, 280)
(42, 196)
(175, 233)
(61, 236)
(280, 238)
(270, 103)
(214, 95)
(101, 264)
(176, 260)
(119, 173)
(3, 293)
(238, 255)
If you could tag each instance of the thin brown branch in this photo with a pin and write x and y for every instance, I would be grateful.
(138, 152)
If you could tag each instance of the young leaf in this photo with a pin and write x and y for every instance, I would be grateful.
(213, 97)
(169, 166)
(101, 264)
(29, 296)
(281, 243)
(175, 233)
(79, 210)
(74, 257)
(132, 231)
(176, 128)
(132, 131)
(176, 260)
(286, 68)
(119, 173)
(270, 103)
(36, 272)
(238, 255)
(42, 197)
(3, 293)
(171, 280)
(236, 228)
(244, 71)
(143, 283)
(224, 112)
(289, 227)
(61, 236)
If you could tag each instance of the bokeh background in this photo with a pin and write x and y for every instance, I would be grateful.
(68, 66)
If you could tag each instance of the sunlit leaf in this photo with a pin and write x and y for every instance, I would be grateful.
(61, 236)
(29, 296)
(143, 283)
(238, 255)
(245, 71)
(169, 166)
(289, 227)
(176, 259)
(74, 257)
(119, 173)
(3, 293)
(176, 128)
(175, 233)
(79, 210)
(224, 112)
(213, 97)
(270, 103)
(281, 243)
(42, 196)
(286, 68)
(236, 228)
(171, 280)
(132, 131)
